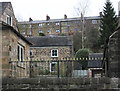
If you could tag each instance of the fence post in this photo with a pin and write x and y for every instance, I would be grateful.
(58, 69)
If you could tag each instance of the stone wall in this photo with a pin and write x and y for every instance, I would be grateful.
(60, 84)
(9, 50)
(114, 54)
(9, 11)
(45, 52)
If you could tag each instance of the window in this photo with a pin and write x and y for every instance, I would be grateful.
(76, 22)
(24, 32)
(57, 23)
(53, 66)
(76, 29)
(57, 30)
(54, 53)
(40, 25)
(30, 26)
(30, 32)
(30, 52)
(9, 20)
(48, 31)
(66, 30)
(40, 31)
(47, 24)
(66, 22)
(20, 53)
(94, 21)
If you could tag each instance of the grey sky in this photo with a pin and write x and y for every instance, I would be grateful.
(38, 9)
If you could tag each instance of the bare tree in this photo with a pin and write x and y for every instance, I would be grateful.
(81, 10)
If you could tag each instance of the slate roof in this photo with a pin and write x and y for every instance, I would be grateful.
(57, 20)
(47, 41)
(96, 62)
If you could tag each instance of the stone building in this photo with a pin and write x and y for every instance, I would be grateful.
(114, 54)
(58, 26)
(47, 48)
(14, 45)
(7, 14)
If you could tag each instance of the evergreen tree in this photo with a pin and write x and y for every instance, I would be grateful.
(109, 23)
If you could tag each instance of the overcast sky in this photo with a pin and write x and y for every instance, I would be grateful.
(38, 9)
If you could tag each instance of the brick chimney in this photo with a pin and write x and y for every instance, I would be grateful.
(65, 16)
(47, 17)
(30, 19)
(100, 14)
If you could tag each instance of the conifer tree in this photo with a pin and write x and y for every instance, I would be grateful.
(109, 23)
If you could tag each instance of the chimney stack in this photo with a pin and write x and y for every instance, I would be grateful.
(47, 17)
(30, 19)
(65, 16)
(100, 14)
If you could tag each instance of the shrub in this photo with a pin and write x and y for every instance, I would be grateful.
(83, 53)
(41, 34)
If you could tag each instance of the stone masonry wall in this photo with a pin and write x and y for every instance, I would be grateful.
(45, 52)
(9, 11)
(60, 84)
(114, 55)
(9, 50)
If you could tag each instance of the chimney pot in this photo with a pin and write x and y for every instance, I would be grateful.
(30, 19)
(47, 17)
(65, 16)
(100, 14)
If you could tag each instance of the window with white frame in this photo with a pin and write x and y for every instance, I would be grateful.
(40, 25)
(76, 22)
(30, 32)
(24, 32)
(48, 31)
(9, 20)
(53, 66)
(54, 53)
(40, 31)
(94, 21)
(57, 30)
(20, 50)
(66, 22)
(57, 23)
(31, 52)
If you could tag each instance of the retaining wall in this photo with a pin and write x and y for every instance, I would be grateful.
(61, 84)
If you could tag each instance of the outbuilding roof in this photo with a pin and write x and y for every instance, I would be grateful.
(47, 41)
(96, 60)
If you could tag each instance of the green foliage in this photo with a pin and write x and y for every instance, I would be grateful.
(109, 22)
(92, 40)
(83, 53)
(41, 34)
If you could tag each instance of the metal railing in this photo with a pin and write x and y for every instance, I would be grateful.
(50, 68)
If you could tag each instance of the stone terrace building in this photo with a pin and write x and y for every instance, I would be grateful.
(51, 47)
(58, 26)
